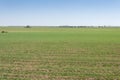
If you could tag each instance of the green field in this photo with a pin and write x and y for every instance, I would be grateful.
(60, 54)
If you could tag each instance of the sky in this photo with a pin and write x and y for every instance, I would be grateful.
(60, 12)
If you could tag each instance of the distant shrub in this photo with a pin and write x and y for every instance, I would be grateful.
(4, 32)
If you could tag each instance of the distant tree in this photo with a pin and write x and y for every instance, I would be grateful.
(27, 26)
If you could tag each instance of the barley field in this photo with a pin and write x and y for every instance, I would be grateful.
(59, 53)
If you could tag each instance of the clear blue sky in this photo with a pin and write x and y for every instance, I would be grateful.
(59, 12)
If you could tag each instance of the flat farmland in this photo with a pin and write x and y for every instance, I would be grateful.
(60, 54)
